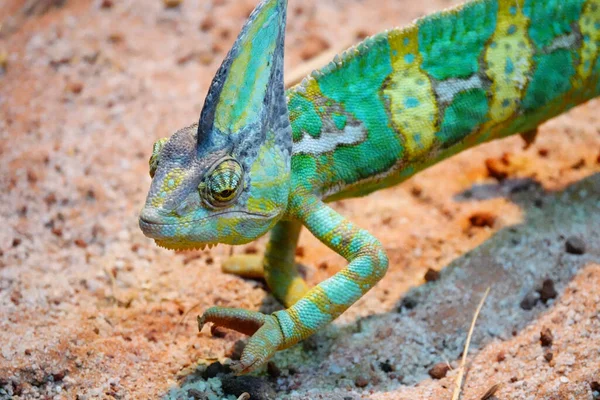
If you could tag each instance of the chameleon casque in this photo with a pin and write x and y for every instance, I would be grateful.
(265, 159)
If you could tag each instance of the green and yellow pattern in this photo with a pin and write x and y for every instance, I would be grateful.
(262, 159)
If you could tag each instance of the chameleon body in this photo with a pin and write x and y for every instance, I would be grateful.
(262, 159)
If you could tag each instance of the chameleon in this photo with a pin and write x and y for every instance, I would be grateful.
(266, 159)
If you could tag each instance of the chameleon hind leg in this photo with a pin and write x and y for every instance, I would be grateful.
(321, 304)
(277, 266)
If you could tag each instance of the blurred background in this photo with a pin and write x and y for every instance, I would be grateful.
(90, 308)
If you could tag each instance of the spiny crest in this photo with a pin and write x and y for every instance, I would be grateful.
(248, 91)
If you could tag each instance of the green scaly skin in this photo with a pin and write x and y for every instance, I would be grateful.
(263, 159)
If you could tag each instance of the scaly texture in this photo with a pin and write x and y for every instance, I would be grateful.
(395, 104)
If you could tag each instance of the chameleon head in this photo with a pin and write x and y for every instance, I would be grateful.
(226, 179)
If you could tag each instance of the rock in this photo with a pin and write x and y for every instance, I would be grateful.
(529, 301)
(439, 371)
(501, 356)
(498, 169)
(432, 275)
(361, 382)
(273, 370)
(482, 219)
(547, 291)
(258, 388)
(75, 87)
(575, 245)
(207, 24)
(546, 337)
(215, 369)
(172, 3)
(386, 366)
(3, 60)
(407, 303)
(196, 394)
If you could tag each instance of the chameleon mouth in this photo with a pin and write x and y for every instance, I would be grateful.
(166, 230)
(183, 246)
(148, 221)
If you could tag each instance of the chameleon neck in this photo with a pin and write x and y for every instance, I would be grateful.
(406, 98)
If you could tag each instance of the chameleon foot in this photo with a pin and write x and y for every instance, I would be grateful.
(283, 278)
(244, 265)
(266, 338)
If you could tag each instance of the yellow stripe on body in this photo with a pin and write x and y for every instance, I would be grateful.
(591, 37)
(509, 60)
(413, 106)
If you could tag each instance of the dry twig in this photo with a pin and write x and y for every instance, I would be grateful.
(461, 370)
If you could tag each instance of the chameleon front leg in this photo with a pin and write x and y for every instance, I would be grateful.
(277, 267)
(323, 303)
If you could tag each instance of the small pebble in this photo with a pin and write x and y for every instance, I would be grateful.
(530, 300)
(579, 164)
(207, 24)
(106, 4)
(546, 337)
(432, 275)
(172, 3)
(273, 370)
(482, 219)
(361, 382)
(407, 303)
(439, 371)
(258, 388)
(215, 369)
(115, 37)
(3, 60)
(497, 169)
(196, 394)
(548, 356)
(386, 366)
(501, 356)
(547, 291)
(575, 245)
(80, 243)
(75, 87)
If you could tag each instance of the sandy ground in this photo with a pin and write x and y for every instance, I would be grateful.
(90, 308)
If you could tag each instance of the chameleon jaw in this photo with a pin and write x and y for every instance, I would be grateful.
(184, 246)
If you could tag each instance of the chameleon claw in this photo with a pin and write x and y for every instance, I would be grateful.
(201, 322)
(266, 339)
(238, 319)
(261, 346)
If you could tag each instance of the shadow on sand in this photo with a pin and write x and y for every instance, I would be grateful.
(430, 322)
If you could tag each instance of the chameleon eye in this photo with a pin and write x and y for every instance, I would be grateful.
(154, 158)
(223, 184)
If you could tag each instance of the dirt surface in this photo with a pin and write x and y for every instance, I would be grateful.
(90, 308)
